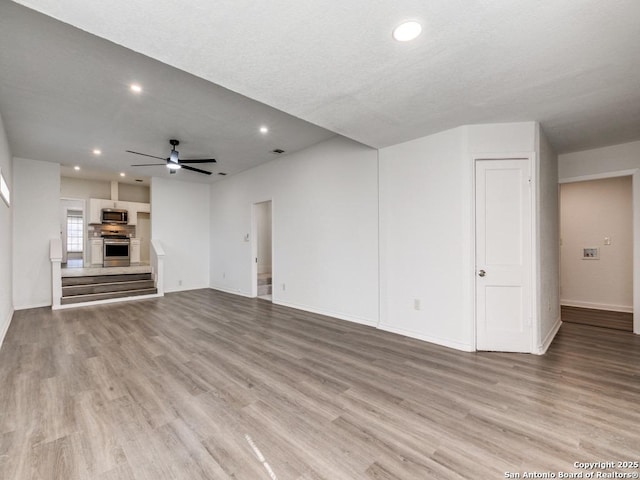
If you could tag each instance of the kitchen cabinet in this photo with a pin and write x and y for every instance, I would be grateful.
(132, 208)
(134, 251)
(97, 204)
(95, 208)
(96, 251)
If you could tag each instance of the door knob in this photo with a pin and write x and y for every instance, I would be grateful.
(482, 273)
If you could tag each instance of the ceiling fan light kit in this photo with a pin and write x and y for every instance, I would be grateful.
(173, 161)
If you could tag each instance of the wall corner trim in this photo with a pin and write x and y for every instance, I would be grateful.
(544, 346)
(4, 331)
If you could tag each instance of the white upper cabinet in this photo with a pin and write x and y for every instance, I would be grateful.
(95, 208)
(97, 204)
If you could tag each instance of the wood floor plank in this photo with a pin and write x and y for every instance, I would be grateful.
(598, 318)
(208, 385)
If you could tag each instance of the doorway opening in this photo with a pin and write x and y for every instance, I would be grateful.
(73, 232)
(596, 252)
(262, 251)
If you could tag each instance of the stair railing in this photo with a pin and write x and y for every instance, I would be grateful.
(55, 255)
(157, 265)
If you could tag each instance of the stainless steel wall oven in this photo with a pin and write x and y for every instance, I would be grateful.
(116, 251)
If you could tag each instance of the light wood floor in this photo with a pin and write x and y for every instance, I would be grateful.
(207, 385)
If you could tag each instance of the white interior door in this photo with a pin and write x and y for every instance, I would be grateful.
(503, 255)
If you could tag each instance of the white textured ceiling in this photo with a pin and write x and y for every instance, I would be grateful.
(572, 65)
(64, 92)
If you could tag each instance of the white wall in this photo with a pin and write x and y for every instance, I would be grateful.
(325, 229)
(591, 211)
(425, 201)
(36, 220)
(82, 188)
(71, 187)
(180, 221)
(426, 229)
(128, 192)
(6, 240)
(548, 228)
(599, 160)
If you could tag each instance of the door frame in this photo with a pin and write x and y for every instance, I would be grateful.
(254, 248)
(533, 271)
(635, 227)
(85, 226)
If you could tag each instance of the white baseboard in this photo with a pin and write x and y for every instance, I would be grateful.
(597, 306)
(328, 313)
(185, 288)
(228, 290)
(5, 329)
(465, 347)
(33, 305)
(544, 346)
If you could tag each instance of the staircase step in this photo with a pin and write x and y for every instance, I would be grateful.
(107, 295)
(94, 279)
(264, 290)
(87, 289)
(264, 279)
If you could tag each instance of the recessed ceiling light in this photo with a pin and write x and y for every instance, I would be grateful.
(139, 180)
(136, 88)
(97, 151)
(76, 168)
(122, 174)
(264, 129)
(407, 31)
(221, 173)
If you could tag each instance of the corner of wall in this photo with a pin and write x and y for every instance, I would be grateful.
(546, 342)
(5, 326)
(6, 238)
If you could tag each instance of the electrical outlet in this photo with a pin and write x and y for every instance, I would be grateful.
(224, 275)
(180, 283)
(284, 287)
(416, 304)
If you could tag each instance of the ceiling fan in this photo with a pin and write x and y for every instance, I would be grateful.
(173, 162)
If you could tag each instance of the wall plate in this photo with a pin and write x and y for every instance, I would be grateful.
(591, 253)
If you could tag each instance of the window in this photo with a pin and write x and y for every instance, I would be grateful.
(75, 232)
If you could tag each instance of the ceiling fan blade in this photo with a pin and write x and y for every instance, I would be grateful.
(152, 156)
(203, 160)
(148, 164)
(195, 169)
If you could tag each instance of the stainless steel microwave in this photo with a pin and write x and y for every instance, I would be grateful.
(112, 215)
